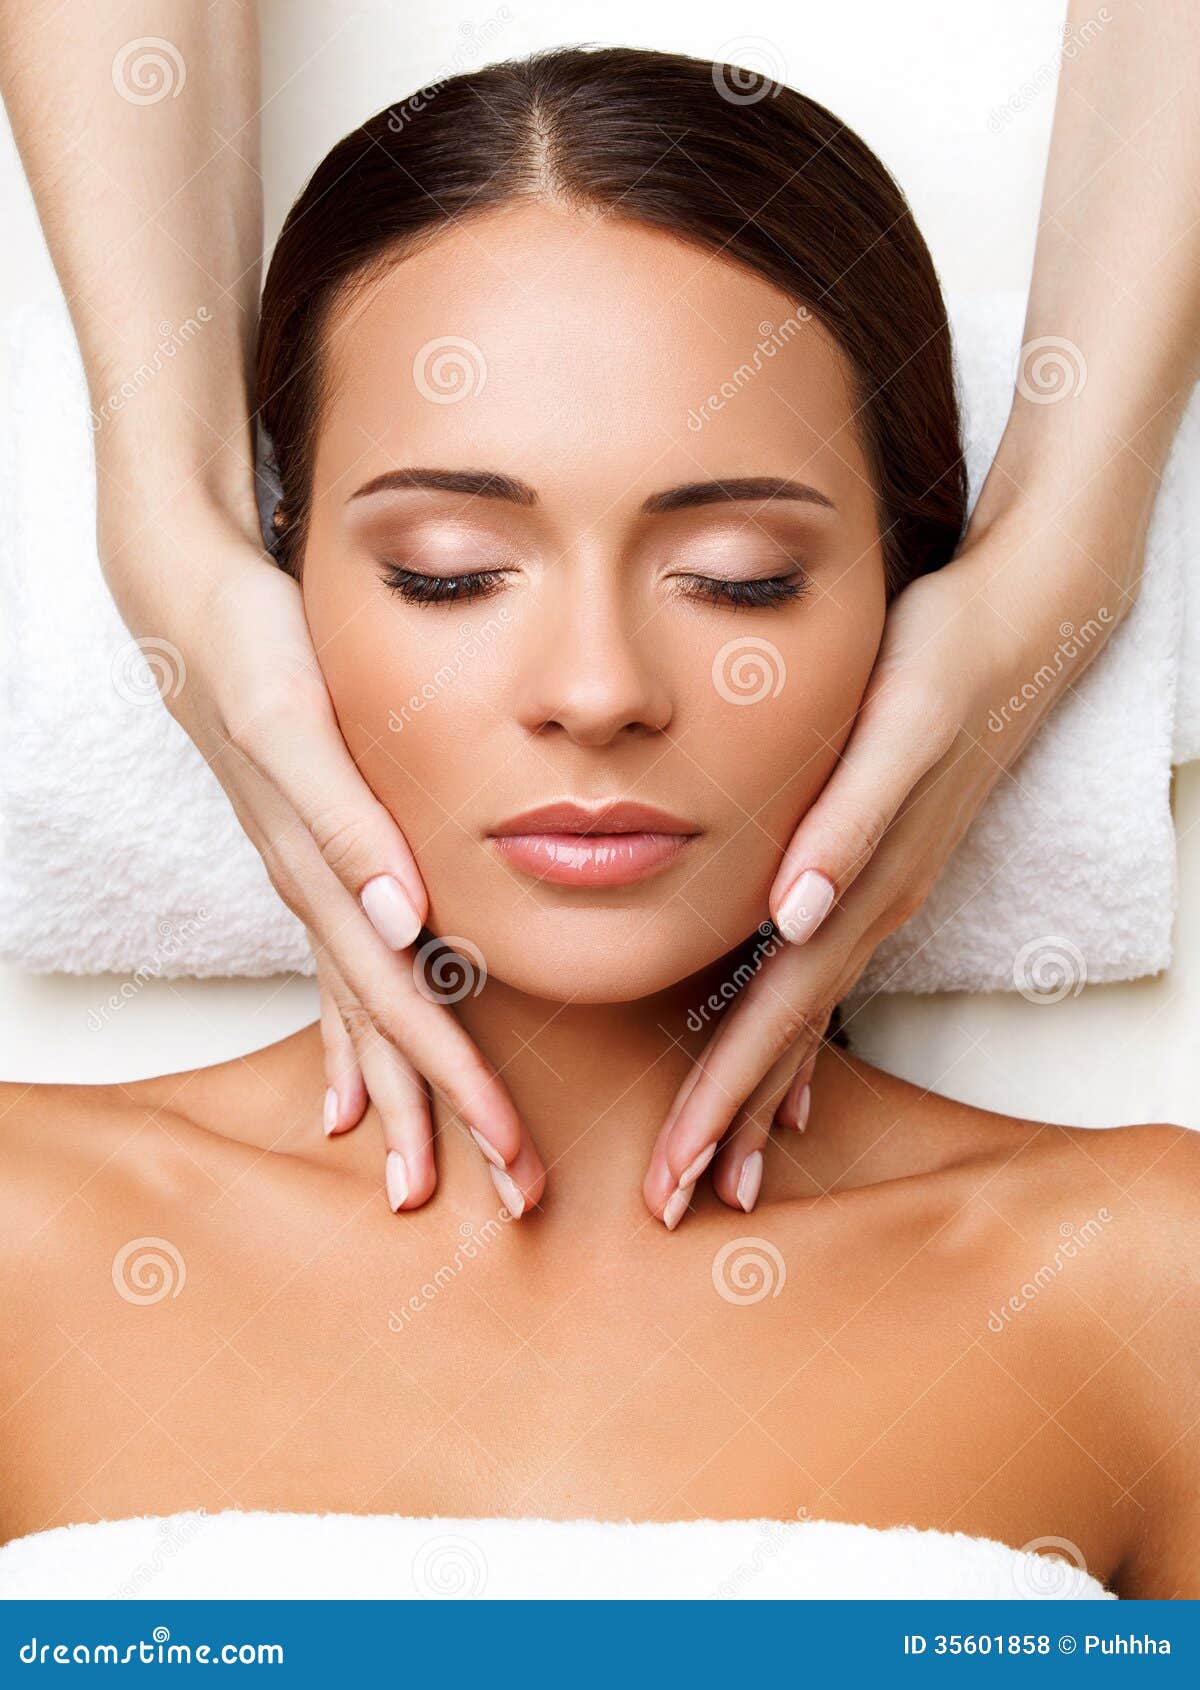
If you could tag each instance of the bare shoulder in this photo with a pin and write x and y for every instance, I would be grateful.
(70, 1155)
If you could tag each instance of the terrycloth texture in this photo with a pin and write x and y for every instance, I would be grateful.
(389, 1555)
(121, 853)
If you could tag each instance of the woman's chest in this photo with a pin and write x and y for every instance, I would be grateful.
(738, 1385)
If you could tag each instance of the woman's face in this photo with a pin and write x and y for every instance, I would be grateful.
(593, 535)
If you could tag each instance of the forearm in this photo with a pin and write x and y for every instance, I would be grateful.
(152, 210)
(1116, 296)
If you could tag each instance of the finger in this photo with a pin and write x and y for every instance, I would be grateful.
(885, 757)
(796, 1106)
(520, 1185)
(738, 1168)
(345, 1092)
(397, 1092)
(307, 762)
(784, 1009)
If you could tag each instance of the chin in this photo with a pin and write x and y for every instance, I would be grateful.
(592, 956)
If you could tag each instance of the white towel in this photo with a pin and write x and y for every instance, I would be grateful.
(121, 853)
(392, 1556)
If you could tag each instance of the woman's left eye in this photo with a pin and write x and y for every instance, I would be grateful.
(416, 588)
(747, 595)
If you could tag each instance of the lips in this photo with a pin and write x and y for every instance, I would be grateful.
(615, 844)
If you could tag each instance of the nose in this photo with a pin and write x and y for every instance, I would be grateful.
(589, 669)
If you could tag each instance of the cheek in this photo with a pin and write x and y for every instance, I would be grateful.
(780, 708)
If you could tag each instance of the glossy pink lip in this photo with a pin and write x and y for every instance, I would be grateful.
(610, 845)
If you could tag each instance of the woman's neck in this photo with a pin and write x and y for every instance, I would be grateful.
(593, 1082)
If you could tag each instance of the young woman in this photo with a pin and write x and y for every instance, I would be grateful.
(608, 414)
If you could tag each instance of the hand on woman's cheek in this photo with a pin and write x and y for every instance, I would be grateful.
(491, 649)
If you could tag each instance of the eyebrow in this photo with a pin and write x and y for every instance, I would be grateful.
(491, 484)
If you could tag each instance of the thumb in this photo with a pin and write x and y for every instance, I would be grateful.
(884, 759)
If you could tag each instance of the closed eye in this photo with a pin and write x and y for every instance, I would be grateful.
(763, 594)
(415, 588)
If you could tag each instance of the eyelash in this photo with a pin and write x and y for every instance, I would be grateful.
(415, 588)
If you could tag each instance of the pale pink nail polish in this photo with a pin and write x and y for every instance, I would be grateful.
(388, 909)
(330, 1114)
(489, 1149)
(803, 1105)
(692, 1172)
(805, 907)
(749, 1180)
(509, 1192)
(677, 1205)
(396, 1179)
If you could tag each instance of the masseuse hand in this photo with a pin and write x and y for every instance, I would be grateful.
(973, 656)
(152, 207)
(920, 759)
(254, 701)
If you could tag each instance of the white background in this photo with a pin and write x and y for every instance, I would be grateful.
(922, 82)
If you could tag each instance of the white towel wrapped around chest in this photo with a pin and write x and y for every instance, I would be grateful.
(121, 853)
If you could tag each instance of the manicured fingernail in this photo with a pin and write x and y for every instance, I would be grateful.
(390, 912)
(489, 1150)
(803, 1105)
(692, 1172)
(676, 1207)
(509, 1192)
(749, 1180)
(805, 907)
(396, 1178)
(330, 1113)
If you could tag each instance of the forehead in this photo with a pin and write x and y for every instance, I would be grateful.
(559, 344)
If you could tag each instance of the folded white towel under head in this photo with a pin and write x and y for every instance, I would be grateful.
(121, 853)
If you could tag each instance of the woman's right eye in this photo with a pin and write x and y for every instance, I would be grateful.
(415, 588)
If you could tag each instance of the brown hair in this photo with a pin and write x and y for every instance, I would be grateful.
(766, 178)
